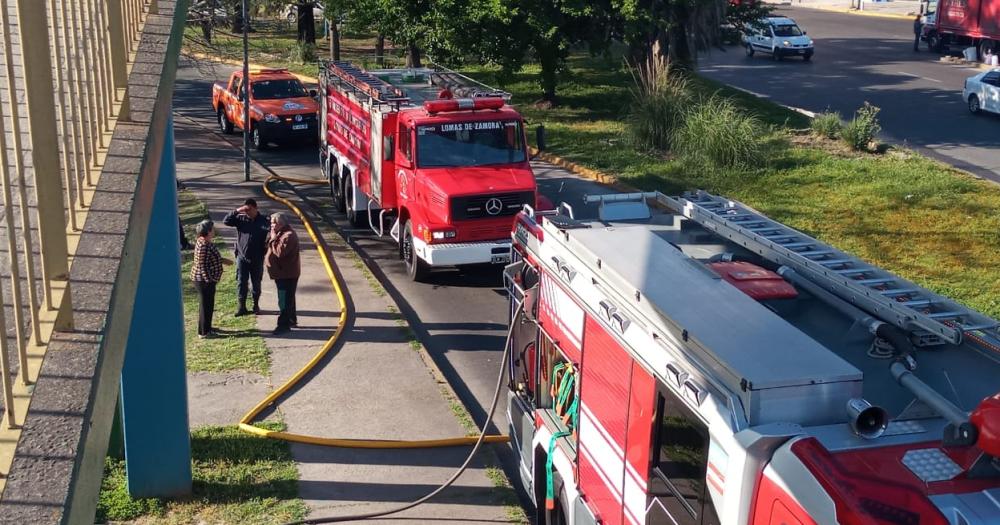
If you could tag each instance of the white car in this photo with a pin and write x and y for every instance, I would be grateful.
(982, 92)
(780, 36)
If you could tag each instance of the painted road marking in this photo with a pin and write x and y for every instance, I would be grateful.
(918, 76)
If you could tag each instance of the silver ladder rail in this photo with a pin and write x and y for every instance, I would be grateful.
(934, 318)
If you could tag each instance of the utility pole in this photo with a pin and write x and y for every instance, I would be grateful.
(246, 91)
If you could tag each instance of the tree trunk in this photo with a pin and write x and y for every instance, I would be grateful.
(412, 55)
(548, 58)
(380, 50)
(306, 23)
(334, 41)
(237, 16)
(206, 29)
(679, 47)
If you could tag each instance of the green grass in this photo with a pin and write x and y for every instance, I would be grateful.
(240, 346)
(238, 478)
(919, 218)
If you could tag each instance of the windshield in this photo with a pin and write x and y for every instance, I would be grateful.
(272, 89)
(470, 143)
(787, 30)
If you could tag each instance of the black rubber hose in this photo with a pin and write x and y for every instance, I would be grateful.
(455, 476)
(900, 342)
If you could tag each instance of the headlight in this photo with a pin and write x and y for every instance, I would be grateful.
(443, 234)
(786, 43)
(272, 118)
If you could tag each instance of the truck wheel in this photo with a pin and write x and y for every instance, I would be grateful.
(353, 216)
(257, 140)
(974, 106)
(415, 268)
(225, 126)
(336, 190)
(934, 42)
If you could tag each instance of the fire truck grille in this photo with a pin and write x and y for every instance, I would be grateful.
(485, 206)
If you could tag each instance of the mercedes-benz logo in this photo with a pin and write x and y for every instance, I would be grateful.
(298, 118)
(494, 206)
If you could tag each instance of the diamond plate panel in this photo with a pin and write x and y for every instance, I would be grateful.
(931, 464)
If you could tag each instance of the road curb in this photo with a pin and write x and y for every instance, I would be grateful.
(582, 171)
(854, 12)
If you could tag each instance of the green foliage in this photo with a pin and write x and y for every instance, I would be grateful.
(716, 133)
(827, 124)
(305, 52)
(658, 104)
(861, 131)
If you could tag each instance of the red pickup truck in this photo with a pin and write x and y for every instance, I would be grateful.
(281, 110)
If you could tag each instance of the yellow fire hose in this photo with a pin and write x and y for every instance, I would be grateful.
(245, 423)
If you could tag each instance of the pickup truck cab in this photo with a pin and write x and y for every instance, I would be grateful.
(281, 110)
(780, 37)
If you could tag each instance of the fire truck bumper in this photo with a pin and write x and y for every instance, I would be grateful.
(455, 254)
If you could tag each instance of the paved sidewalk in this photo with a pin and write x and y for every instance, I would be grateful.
(890, 8)
(373, 386)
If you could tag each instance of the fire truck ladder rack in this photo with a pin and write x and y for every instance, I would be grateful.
(463, 86)
(933, 319)
(363, 82)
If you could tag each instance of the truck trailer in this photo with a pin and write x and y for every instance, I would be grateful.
(965, 23)
(428, 156)
(687, 360)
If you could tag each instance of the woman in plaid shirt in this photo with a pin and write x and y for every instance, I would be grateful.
(206, 272)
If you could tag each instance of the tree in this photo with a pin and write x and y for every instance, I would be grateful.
(305, 22)
(205, 13)
(335, 12)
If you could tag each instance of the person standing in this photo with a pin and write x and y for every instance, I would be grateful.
(283, 266)
(918, 28)
(206, 271)
(251, 243)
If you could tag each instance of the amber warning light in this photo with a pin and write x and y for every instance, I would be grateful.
(462, 104)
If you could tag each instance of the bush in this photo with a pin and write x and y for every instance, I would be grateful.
(715, 133)
(827, 124)
(861, 131)
(658, 101)
(305, 53)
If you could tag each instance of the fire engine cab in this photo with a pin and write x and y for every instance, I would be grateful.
(436, 157)
(708, 365)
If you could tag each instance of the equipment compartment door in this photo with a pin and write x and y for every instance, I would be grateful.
(376, 155)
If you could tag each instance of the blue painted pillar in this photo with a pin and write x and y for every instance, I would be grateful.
(154, 379)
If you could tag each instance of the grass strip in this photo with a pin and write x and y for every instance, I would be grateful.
(238, 478)
(240, 346)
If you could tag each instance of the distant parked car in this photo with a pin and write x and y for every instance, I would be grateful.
(291, 13)
(982, 92)
(780, 36)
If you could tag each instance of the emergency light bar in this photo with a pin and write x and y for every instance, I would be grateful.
(462, 104)
(269, 71)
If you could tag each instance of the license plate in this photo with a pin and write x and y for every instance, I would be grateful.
(500, 259)
(300, 126)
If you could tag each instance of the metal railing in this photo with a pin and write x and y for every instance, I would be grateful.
(65, 65)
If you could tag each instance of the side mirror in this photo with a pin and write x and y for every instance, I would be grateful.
(313, 93)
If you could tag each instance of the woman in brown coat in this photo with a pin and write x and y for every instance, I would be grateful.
(283, 266)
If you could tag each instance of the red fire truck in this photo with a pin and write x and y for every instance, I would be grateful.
(435, 156)
(708, 365)
(973, 23)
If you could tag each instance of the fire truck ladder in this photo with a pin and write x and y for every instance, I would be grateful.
(364, 82)
(464, 86)
(931, 318)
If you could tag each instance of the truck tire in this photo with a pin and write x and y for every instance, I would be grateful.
(225, 126)
(257, 140)
(416, 269)
(336, 187)
(355, 217)
(934, 42)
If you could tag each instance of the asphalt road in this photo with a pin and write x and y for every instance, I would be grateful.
(861, 58)
(460, 316)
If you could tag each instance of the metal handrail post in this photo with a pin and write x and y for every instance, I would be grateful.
(63, 124)
(80, 160)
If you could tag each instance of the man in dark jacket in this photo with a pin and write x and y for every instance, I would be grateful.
(251, 244)
(284, 266)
